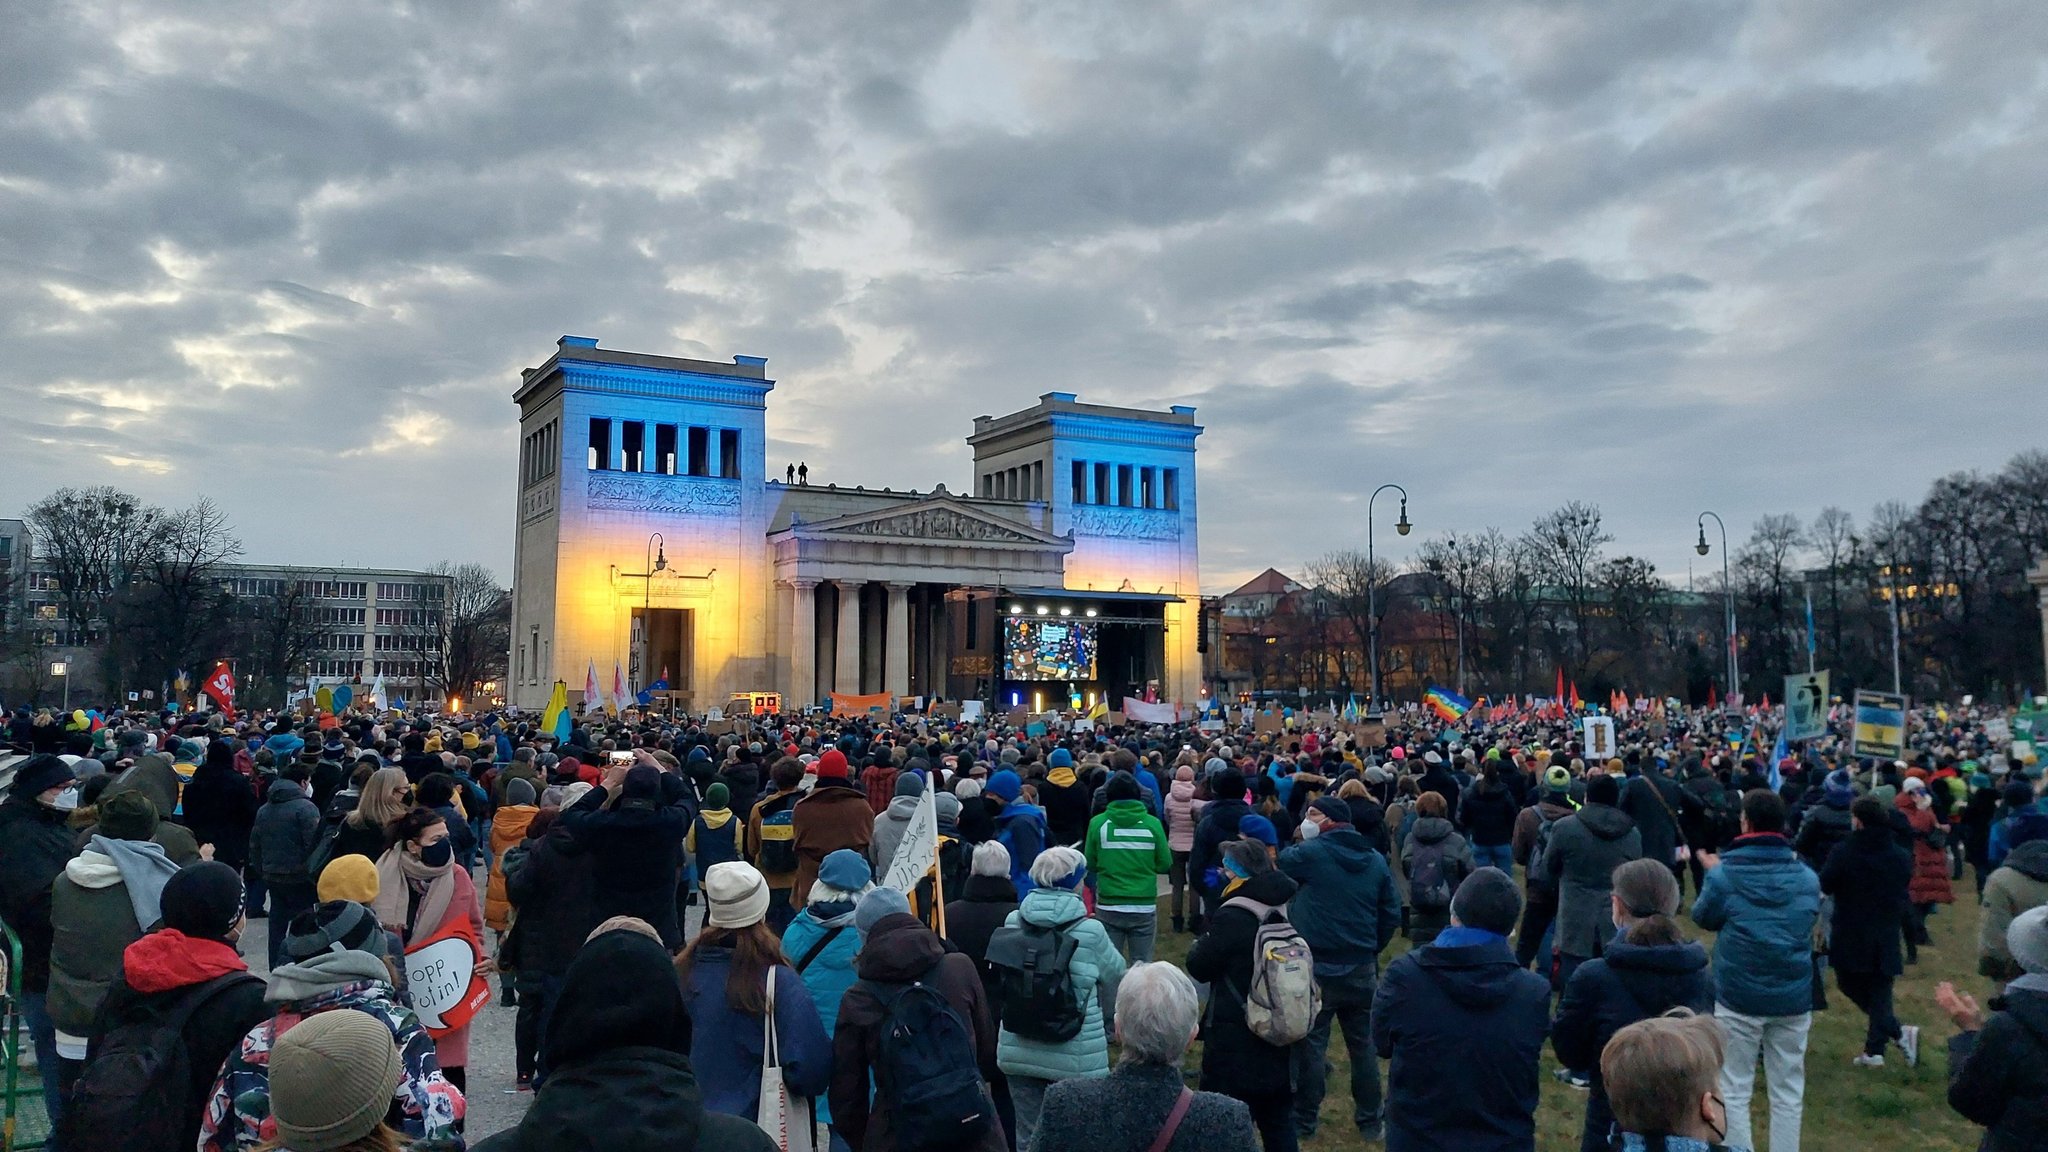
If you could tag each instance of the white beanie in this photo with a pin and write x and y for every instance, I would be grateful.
(736, 894)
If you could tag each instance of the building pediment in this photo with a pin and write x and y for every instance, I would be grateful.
(940, 520)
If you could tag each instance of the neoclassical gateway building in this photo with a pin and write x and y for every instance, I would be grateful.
(653, 536)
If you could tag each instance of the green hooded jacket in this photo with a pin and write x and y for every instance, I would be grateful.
(1127, 852)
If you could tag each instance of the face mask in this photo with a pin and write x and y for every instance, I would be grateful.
(436, 854)
(1310, 830)
(65, 801)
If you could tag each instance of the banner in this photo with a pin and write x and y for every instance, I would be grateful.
(1880, 728)
(1599, 738)
(849, 704)
(918, 853)
(220, 688)
(1139, 712)
(441, 974)
(1806, 706)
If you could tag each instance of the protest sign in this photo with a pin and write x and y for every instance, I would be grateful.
(1806, 706)
(1880, 726)
(441, 974)
(1598, 737)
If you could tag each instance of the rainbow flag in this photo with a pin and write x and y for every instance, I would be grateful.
(1448, 705)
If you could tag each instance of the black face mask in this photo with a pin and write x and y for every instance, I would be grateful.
(438, 853)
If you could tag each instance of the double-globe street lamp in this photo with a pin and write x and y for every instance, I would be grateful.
(1372, 613)
(1732, 664)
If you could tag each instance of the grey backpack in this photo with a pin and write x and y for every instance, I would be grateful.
(1281, 1005)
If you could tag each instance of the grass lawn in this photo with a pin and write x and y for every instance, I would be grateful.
(1848, 1109)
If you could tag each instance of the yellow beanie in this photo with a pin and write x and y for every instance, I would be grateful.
(350, 877)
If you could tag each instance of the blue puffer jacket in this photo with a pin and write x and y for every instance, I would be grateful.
(830, 974)
(1763, 900)
(1095, 969)
(1346, 908)
(725, 1047)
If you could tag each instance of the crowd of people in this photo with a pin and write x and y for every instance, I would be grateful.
(695, 928)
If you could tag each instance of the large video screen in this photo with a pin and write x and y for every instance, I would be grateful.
(1048, 649)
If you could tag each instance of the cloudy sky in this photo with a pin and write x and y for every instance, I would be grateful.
(1753, 257)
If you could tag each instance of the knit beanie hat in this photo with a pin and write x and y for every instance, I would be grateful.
(331, 1079)
(1558, 778)
(336, 926)
(877, 903)
(1005, 785)
(1122, 786)
(845, 870)
(909, 784)
(128, 815)
(1487, 900)
(203, 900)
(948, 806)
(736, 894)
(350, 877)
(1333, 808)
(1603, 790)
(1257, 827)
(1838, 789)
(717, 796)
(832, 765)
(519, 793)
(2027, 939)
(40, 773)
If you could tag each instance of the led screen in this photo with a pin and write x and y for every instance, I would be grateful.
(1048, 649)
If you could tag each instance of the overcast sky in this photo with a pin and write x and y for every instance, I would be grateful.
(1663, 257)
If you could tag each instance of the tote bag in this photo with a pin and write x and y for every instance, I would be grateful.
(786, 1118)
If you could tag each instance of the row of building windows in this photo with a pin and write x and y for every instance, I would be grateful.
(539, 451)
(336, 669)
(1124, 485)
(677, 450)
(409, 617)
(340, 642)
(408, 643)
(359, 669)
(409, 591)
(311, 589)
(1024, 482)
(340, 616)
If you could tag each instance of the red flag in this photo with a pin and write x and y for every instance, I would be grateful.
(1713, 701)
(1559, 694)
(1576, 702)
(220, 688)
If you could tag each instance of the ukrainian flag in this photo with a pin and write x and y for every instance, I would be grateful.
(1448, 705)
(556, 719)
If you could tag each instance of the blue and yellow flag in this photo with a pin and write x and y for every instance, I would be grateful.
(556, 719)
(1448, 705)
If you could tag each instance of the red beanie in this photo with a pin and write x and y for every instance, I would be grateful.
(832, 765)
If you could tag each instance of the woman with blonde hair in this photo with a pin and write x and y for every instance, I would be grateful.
(367, 830)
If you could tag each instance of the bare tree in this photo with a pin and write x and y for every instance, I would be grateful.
(90, 539)
(1566, 546)
(1354, 589)
(477, 629)
(179, 604)
(1459, 564)
(1832, 535)
(277, 634)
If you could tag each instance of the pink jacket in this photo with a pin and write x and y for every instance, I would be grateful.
(1183, 812)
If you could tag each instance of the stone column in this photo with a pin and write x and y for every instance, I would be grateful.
(847, 676)
(896, 652)
(803, 643)
(2039, 579)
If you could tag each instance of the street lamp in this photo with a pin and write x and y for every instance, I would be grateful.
(1372, 614)
(1734, 660)
(62, 670)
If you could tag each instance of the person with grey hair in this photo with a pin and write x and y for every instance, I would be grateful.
(1052, 914)
(1143, 1098)
(981, 906)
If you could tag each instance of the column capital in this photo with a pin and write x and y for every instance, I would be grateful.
(800, 583)
(899, 585)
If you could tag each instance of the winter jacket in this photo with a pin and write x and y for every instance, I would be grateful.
(554, 892)
(742, 785)
(639, 1098)
(770, 805)
(1585, 849)
(153, 776)
(1653, 800)
(517, 770)
(1127, 854)
(1433, 833)
(35, 845)
(1094, 971)
(1487, 815)
(1528, 826)
(725, 1047)
(833, 816)
(1867, 875)
(508, 828)
(1182, 813)
(1998, 1076)
(1021, 828)
(636, 853)
(1066, 799)
(879, 782)
(2012, 829)
(287, 830)
(1629, 982)
(890, 828)
(830, 973)
(1823, 827)
(157, 973)
(1126, 1111)
(900, 950)
(1219, 824)
(717, 836)
(220, 809)
(452, 1046)
(2019, 884)
(238, 1109)
(1762, 900)
(352, 839)
(1463, 1025)
(1930, 861)
(1234, 1061)
(983, 905)
(94, 922)
(1345, 905)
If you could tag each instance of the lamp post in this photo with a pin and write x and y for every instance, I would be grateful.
(1372, 612)
(62, 670)
(655, 560)
(1733, 664)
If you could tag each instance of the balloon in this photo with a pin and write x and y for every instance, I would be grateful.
(325, 699)
(343, 697)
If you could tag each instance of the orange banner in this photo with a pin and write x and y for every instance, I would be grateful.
(847, 704)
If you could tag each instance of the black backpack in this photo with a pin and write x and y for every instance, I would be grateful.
(1430, 887)
(1032, 981)
(926, 1069)
(137, 1088)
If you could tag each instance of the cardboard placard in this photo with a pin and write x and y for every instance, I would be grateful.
(1114, 719)
(441, 973)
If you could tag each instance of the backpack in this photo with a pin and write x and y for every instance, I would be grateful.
(926, 1069)
(1033, 984)
(139, 1080)
(1539, 879)
(1282, 1003)
(778, 840)
(1429, 878)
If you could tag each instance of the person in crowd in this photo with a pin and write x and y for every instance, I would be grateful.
(771, 834)
(186, 971)
(895, 819)
(336, 962)
(1828, 823)
(823, 940)
(367, 831)
(221, 806)
(1763, 901)
(1020, 825)
(835, 815)
(105, 899)
(1535, 830)
(1662, 1076)
(977, 909)
(1220, 819)
(1648, 968)
(1183, 811)
(1654, 801)
(717, 834)
(552, 890)
(35, 846)
(1348, 912)
(1463, 1026)
(1867, 878)
(1584, 850)
(1126, 850)
(1931, 887)
(286, 832)
(634, 835)
(331, 1082)
(1236, 1061)
(437, 792)
(902, 965)
(2014, 887)
(725, 974)
(1143, 1104)
(1065, 797)
(1487, 813)
(508, 829)
(1030, 1064)
(1434, 859)
(620, 1077)
(1998, 1067)
(520, 767)
(421, 894)
(154, 777)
